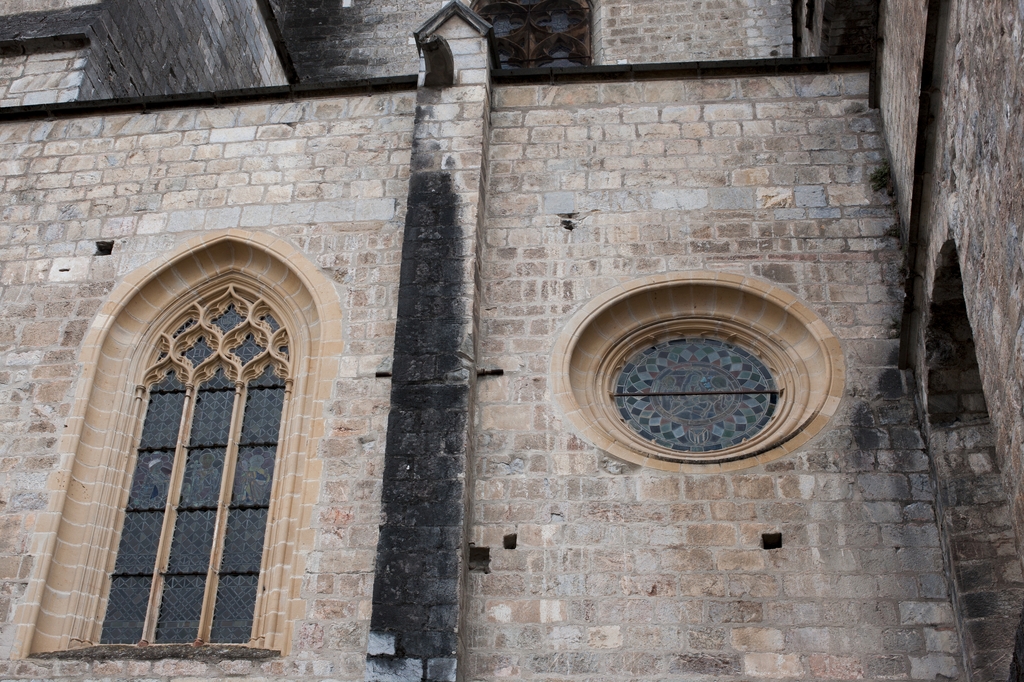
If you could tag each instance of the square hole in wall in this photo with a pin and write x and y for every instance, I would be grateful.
(480, 559)
(771, 540)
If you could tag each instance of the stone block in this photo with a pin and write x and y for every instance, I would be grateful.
(381, 643)
(442, 669)
(809, 196)
(775, 666)
(933, 667)
(559, 202)
(926, 613)
(394, 670)
(731, 197)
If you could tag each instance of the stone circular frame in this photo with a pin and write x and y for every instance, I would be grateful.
(803, 355)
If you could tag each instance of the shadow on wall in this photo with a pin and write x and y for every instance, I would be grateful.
(978, 537)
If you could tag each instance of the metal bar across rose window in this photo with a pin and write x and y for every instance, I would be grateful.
(675, 393)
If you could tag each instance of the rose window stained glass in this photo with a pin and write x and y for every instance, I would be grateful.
(530, 34)
(192, 537)
(696, 395)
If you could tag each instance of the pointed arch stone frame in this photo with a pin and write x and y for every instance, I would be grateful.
(76, 537)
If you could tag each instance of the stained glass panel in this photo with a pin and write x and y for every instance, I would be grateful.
(536, 34)
(254, 474)
(229, 319)
(180, 609)
(236, 601)
(696, 395)
(193, 540)
(126, 610)
(271, 322)
(248, 350)
(185, 326)
(198, 352)
(262, 420)
(163, 421)
(151, 480)
(200, 487)
(212, 419)
(136, 554)
(243, 541)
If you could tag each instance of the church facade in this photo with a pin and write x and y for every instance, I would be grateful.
(571, 340)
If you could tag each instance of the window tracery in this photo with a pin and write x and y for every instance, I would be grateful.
(539, 34)
(191, 548)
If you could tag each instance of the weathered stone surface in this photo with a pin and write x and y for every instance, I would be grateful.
(686, 30)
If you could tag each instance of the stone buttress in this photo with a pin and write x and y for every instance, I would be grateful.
(418, 587)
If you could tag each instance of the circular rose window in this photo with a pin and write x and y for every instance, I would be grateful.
(698, 371)
(696, 395)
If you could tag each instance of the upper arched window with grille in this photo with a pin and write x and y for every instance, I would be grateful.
(539, 34)
(188, 562)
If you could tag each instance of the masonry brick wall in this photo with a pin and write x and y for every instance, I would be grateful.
(975, 198)
(904, 24)
(330, 176)
(41, 77)
(683, 30)
(21, 6)
(331, 40)
(179, 47)
(623, 572)
(844, 27)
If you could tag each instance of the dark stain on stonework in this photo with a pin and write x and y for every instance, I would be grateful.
(415, 593)
(327, 41)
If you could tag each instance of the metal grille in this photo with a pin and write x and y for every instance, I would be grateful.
(140, 539)
(212, 418)
(553, 33)
(247, 517)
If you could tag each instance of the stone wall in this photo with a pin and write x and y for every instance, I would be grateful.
(623, 572)
(903, 26)
(830, 27)
(684, 30)
(41, 77)
(328, 175)
(980, 204)
(331, 40)
(21, 6)
(179, 47)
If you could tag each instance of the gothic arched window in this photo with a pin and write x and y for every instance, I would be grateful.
(191, 547)
(539, 34)
(182, 508)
